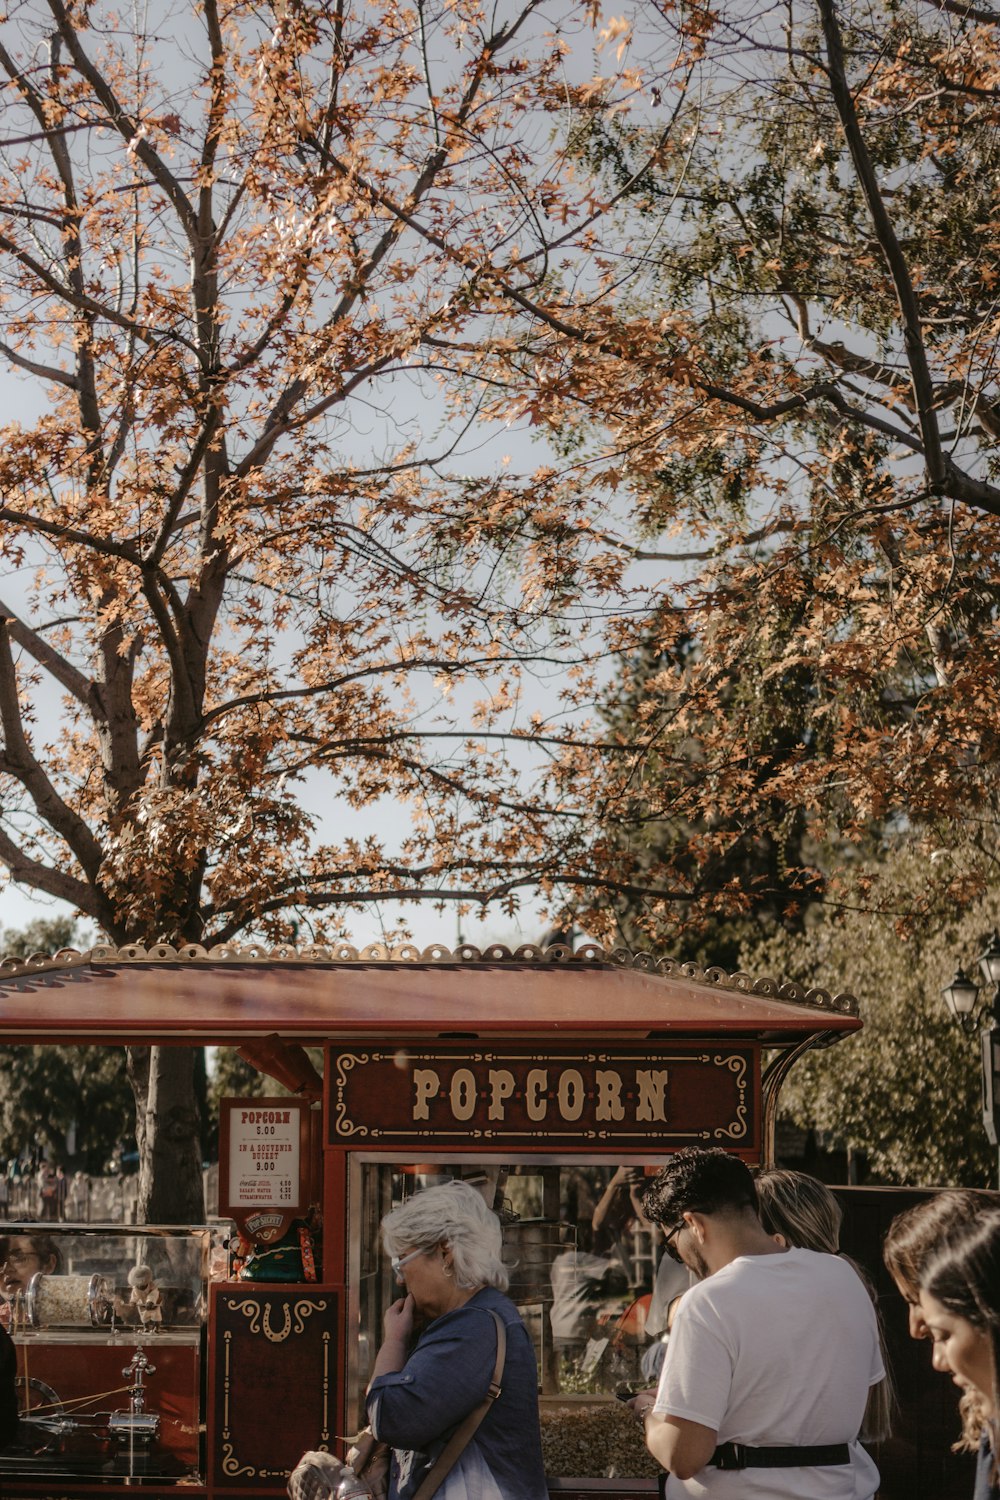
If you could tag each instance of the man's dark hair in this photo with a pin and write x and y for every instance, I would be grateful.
(708, 1182)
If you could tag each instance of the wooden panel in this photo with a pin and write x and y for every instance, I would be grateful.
(272, 1381)
(651, 1097)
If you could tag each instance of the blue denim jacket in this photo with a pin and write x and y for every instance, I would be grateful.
(417, 1408)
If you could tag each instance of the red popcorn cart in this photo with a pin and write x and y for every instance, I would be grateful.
(555, 1081)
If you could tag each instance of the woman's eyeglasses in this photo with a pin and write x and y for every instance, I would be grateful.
(397, 1262)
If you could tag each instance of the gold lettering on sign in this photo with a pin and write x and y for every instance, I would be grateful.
(501, 1088)
(609, 1095)
(570, 1094)
(652, 1084)
(535, 1085)
(463, 1094)
(496, 1091)
(425, 1084)
(640, 1096)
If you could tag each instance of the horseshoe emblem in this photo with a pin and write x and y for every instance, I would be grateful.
(286, 1327)
(259, 1318)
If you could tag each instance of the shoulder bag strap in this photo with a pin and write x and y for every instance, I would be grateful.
(452, 1452)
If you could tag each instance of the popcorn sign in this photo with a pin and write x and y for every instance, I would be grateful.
(263, 1156)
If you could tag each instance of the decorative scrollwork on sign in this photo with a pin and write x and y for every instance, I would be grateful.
(737, 1064)
(325, 1429)
(286, 1324)
(249, 1308)
(342, 1125)
(303, 1310)
(227, 1345)
(231, 1465)
(293, 1319)
(737, 1127)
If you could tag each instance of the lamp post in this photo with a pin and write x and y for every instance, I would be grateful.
(962, 1000)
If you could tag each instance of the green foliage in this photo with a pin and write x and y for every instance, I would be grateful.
(43, 935)
(752, 867)
(906, 1091)
(232, 1077)
(48, 1095)
(53, 1096)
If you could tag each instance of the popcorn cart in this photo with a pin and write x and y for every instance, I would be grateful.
(553, 1080)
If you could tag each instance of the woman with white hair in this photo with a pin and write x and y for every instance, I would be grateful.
(445, 1247)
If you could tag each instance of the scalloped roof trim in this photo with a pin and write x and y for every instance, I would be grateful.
(589, 955)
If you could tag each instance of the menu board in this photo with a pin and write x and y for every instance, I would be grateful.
(262, 1158)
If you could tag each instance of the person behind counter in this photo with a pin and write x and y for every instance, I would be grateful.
(445, 1247)
(580, 1283)
(21, 1256)
(960, 1303)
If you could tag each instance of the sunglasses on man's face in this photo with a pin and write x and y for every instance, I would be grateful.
(668, 1241)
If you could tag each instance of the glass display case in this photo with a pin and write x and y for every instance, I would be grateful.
(107, 1321)
(588, 1276)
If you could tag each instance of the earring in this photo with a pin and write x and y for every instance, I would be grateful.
(448, 1270)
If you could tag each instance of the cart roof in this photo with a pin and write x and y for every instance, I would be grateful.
(227, 994)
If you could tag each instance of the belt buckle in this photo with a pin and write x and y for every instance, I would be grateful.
(736, 1461)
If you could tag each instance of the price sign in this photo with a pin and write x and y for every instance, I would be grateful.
(262, 1156)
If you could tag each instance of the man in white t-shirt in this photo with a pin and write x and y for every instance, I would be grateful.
(764, 1385)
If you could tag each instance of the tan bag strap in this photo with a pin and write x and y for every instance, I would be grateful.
(452, 1452)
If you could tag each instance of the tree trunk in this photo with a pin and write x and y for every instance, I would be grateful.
(168, 1134)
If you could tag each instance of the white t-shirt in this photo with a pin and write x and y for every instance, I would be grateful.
(775, 1350)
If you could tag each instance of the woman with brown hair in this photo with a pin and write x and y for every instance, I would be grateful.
(912, 1239)
(960, 1303)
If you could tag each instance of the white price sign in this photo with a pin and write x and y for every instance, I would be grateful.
(264, 1155)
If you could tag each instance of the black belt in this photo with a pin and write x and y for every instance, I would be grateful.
(736, 1456)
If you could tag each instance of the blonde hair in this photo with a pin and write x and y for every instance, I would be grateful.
(800, 1208)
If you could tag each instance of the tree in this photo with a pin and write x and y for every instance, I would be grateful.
(271, 287)
(803, 386)
(233, 244)
(75, 1102)
(907, 1090)
(748, 870)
